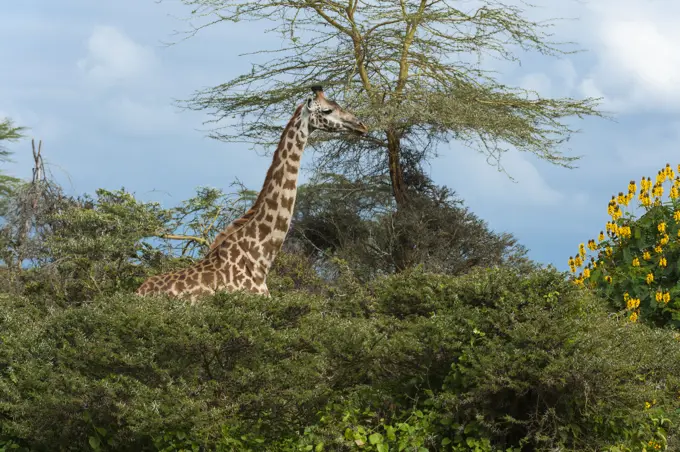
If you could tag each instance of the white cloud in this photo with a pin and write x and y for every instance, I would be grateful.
(114, 57)
(636, 45)
(477, 180)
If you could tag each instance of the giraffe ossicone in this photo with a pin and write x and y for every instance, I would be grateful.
(242, 254)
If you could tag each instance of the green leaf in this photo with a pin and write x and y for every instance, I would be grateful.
(95, 444)
(446, 441)
(375, 438)
(627, 258)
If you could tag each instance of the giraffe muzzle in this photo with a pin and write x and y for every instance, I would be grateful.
(358, 127)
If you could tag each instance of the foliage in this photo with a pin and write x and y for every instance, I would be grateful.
(26, 224)
(355, 220)
(9, 132)
(495, 360)
(414, 71)
(637, 268)
(8, 184)
(196, 222)
(87, 247)
(292, 271)
(79, 248)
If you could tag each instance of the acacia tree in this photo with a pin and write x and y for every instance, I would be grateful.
(412, 69)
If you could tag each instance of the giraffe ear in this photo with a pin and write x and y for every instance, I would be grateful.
(309, 103)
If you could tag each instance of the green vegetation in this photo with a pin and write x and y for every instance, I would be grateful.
(9, 132)
(506, 356)
(399, 320)
(637, 267)
(493, 360)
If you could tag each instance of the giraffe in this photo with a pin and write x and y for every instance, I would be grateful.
(242, 254)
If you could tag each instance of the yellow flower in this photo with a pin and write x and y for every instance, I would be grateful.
(646, 256)
(668, 171)
(632, 188)
(625, 232)
(647, 405)
(658, 249)
(614, 228)
(592, 245)
(586, 273)
(626, 296)
(608, 251)
(578, 261)
(633, 317)
(664, 240)
(636, 262)
(675, 193)
(633, 304)
(657, 191)
(650, 278)
(608, 279)
(676, 214)
(663, 262)
(601, 236)
(658, 296)
(666, 297)
(661, 227)
(611, 207)
(660, 177)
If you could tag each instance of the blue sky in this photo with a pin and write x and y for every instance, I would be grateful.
(96, 83)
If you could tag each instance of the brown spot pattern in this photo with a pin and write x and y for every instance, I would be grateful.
(242, 253)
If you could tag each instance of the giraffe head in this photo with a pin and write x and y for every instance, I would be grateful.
(325, 114)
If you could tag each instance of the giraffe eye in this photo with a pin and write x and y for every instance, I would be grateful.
(327, 111)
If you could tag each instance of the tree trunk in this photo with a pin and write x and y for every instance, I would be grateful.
(396, 172)
(401, 254)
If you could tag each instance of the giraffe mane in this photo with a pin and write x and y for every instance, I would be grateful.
(241, 222)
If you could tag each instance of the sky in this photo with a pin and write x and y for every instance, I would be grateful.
(97, 82)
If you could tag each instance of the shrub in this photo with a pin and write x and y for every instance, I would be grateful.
(491, 361)
(293, 271)
(636, 268)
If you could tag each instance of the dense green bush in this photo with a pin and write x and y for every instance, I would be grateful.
(494, 360)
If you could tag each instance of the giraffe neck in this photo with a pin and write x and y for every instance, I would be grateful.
(264, 226)
(280, 187)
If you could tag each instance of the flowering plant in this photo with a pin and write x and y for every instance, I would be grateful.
(635, 264)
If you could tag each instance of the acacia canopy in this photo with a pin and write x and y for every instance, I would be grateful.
(411, 69)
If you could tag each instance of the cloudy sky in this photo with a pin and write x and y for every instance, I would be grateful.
(95, 82)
